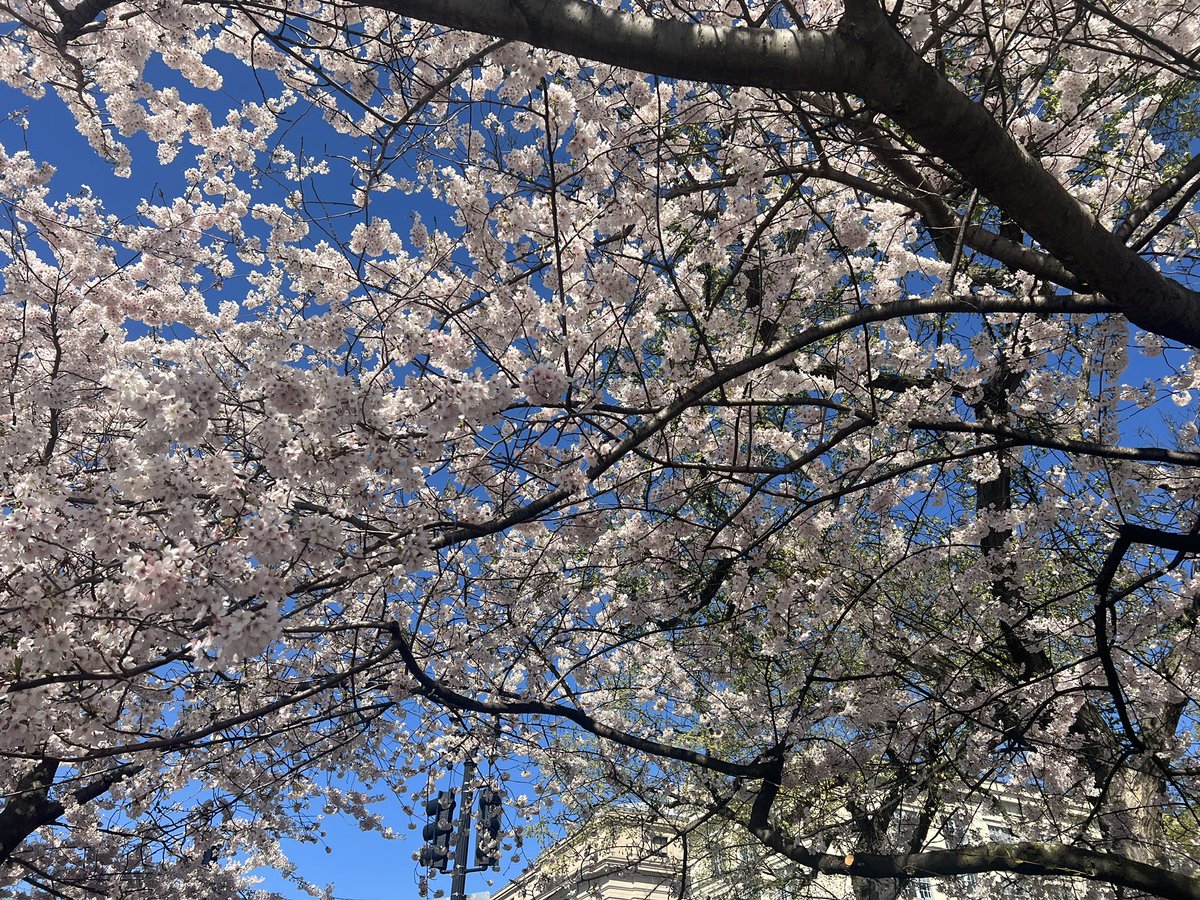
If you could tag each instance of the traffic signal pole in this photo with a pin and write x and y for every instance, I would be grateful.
(458, 885)
(448, 830)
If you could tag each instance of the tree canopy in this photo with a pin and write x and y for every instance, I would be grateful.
(769, 410)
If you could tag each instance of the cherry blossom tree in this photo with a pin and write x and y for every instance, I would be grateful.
(778, 411)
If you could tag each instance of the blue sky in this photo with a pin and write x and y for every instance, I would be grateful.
(367, 866)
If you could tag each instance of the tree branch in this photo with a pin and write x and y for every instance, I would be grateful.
(1024, 858)
(451, 699)
(30, 807)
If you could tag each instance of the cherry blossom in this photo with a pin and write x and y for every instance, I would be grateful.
(784, 412)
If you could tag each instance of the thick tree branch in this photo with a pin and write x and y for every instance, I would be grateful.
(1024, 858)
(809, 59)
(29, 807)
(24, 810)
(1066, 445)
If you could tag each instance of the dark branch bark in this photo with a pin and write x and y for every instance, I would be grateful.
(29, 807)
(945, 121)
(82, 18)
(762, 57)
(1025, 858)
(25, 810)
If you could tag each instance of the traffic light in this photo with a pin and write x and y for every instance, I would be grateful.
(438, 831)
(487, 832)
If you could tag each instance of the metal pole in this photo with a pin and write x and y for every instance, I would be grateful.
(458, 885)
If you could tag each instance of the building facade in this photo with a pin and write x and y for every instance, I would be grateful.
(625, 857)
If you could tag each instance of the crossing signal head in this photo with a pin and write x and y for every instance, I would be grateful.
(438, 830)
(487, 832)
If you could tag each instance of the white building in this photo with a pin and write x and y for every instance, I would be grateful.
(627, 858)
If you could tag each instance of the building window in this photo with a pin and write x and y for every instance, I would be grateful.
(919, 889)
